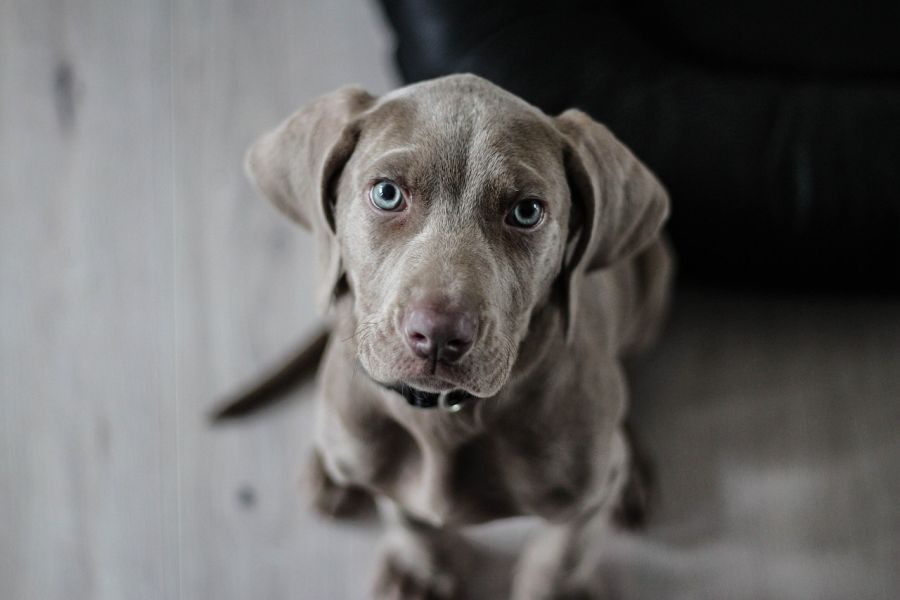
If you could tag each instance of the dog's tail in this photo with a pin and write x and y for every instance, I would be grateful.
(272, 388)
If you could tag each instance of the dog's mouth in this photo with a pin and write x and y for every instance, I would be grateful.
(449, 399)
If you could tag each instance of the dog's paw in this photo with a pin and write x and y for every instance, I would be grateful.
(559, 565)
(422, 566)
(575, 591)
(332, 500)
(398, 579)
(637, 497)
(591, 591)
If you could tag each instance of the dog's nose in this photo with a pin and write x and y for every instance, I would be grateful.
(439, 334)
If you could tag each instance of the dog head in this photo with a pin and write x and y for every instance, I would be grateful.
(452, 211)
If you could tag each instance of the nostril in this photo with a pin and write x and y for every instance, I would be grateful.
(417, 337)
(454, 349)
(456, 344)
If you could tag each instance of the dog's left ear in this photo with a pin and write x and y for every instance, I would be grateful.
(619, 206)
(297, 164)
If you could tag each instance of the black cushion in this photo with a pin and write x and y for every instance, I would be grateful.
(775, 126)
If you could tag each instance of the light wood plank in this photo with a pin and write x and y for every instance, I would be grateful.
(774, 423)
(86, 299)
(244, 293)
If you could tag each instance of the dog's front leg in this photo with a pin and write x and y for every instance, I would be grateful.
(418, 560)
(569, 560)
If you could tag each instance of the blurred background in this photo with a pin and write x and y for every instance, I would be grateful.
(142, 278)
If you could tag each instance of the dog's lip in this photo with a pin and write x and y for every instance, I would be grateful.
(435, 384)
(425, 386)
(431, 385)
(443, 380)
(445, 377)
(425, 396)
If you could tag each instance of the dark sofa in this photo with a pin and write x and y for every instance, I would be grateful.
(775, 125)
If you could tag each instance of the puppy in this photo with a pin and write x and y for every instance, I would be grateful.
(487, 267)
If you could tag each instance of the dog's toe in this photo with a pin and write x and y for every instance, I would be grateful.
(399, 581)
(587, 592)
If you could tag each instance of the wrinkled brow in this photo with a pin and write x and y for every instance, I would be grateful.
(392, 163)
(529, 180)
(506, 181)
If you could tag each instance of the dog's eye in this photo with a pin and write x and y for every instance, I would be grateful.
(526, 214)
(386, 195)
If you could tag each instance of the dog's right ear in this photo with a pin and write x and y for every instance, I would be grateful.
(296, 166)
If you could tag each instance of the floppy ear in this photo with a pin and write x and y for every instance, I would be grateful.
(619, 205)
(296, 166)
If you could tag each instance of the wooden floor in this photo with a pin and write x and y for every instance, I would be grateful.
(141, 277)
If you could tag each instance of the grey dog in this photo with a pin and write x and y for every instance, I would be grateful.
(487, 267)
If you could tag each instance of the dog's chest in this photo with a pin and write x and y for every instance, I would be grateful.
(455, 472)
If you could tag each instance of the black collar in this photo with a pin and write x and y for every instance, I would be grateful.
(422, 399)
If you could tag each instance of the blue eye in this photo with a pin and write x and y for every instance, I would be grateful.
(386, 195)
(526, 214)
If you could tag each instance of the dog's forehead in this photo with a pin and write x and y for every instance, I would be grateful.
(462, 131)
